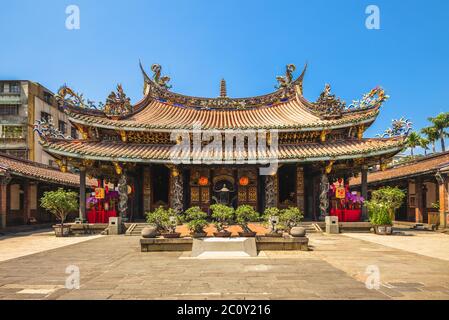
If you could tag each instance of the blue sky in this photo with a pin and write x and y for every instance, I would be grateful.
(246, 42)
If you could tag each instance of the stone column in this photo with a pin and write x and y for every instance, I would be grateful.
(176, 190)
(26, 202)
(443, 199)
(364, 189)
(82, 211)
(300, 188)
(271, 191)
(418, 199)
(123, 197)
(324, 197)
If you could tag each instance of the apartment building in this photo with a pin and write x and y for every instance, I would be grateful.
(22, 102)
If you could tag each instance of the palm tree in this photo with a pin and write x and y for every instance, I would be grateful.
(440, 124)
(431, 135)
(424, 143)
(413, 141)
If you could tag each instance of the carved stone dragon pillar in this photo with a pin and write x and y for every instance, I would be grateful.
(324, 197)
(123, 196)
(271, 191)
(176, 191)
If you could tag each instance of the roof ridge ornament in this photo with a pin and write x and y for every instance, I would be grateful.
(285, 81)
(328, 105)
(118, 104)
(161, 81)
(47, 130)
(399, 127)
(223, 91)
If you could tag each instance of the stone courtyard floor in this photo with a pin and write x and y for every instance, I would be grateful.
(112, 267)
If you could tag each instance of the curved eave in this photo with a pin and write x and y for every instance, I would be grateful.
(395, 146)
(366, 117)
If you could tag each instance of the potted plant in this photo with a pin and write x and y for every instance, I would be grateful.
(244, 214)
(380, 217)
(196, 221)
(382, 206)
(222, 215)
(290, 219)
(271, 217)
(165, 220)
(60, 203)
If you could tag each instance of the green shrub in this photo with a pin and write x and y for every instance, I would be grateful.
(290, 217)
(391, 197)
(196, 219)
(244, 214)
(378, 213)
(222, 215)
(60, 203)
(161, 219)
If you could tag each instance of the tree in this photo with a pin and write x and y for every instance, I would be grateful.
(424, 143)
(431, 135)
(440, 123)
(413, 141)
(60, 203)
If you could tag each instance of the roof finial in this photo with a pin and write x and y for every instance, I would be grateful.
(223, 93)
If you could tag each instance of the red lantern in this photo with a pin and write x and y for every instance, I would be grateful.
(244, 181)
(203, 181)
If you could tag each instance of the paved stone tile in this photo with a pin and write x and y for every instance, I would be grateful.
(114, 268)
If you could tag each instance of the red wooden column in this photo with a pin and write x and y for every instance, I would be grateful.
(419, 201)
(364, 192)
(3, 203)
(443, 199)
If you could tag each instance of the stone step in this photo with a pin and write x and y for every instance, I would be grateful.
(135, 229)
(213, 248)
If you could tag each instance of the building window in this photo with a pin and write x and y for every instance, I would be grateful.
(14, 87)
(73, 133)
(48, 97)
(2, 87)
(62, 126)
(45, 116)
(9, 110)
(13, 132)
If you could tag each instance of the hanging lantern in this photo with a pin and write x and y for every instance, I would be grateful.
(244, 181)
(203, 181)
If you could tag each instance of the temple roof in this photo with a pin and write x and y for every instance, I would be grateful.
(284, 109)
(127, 152)
(422, 166)
(33, 170)
(158, 115)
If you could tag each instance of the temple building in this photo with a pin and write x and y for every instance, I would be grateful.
(178, 151)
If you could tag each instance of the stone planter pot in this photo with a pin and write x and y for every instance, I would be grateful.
(245, 234)
(198, 235)
(62, 231)
(149, 232)
(298, 232)
(171, 235)
(222, 234)
(383, 229)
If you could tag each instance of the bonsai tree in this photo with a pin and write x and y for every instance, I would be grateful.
(196, 219)
(222, 215)
(163, 219)
(60, 203)
(268, 214)
(290, 217)
(244, 214)
(391, 197)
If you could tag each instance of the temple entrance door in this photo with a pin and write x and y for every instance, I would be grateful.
(224, 191)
